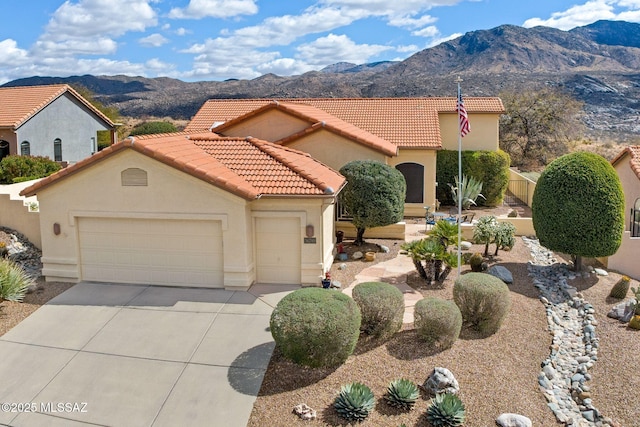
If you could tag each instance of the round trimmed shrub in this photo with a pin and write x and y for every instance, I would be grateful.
(382, 308)
(484, 301)
(437, 321)
(316, 327)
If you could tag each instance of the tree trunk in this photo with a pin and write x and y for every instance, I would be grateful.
(486, 249)
(437, 269)
(496, 252)
(359, 237)
(444, 274)
(577, 263)
(419, 268)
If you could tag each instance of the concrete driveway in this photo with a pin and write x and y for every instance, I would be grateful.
(127, 355)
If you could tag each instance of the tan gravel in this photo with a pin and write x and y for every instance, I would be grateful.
(496, 374)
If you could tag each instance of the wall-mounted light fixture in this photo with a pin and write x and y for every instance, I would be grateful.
(309, 230)
(56, 228)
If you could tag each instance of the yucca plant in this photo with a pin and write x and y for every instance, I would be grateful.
(355, 402)
(446, 410)
(402, 393)
(13, 281)
(469, 189)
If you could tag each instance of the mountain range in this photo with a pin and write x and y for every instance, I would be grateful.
(598, 64)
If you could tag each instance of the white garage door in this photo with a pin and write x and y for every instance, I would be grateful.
(278, 250)
(151, 251)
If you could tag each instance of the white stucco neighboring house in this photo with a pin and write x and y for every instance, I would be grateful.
(625, 260)
(189, 210)
(53, 121)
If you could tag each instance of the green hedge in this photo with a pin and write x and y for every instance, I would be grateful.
(316, 327)
(22, 168)
(437, 322)
(484, 301)
(382, 308)
(490, 167)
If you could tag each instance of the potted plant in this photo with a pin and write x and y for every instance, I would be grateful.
(326, 282)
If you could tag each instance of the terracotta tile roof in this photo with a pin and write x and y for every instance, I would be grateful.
(247, 167)
(318, 119)
(19, 104)
(405, 122)
(634, 162)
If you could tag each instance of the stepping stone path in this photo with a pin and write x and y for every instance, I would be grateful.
(574, 349)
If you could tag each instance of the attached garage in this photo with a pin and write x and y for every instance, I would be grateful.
(278, 250)
(151, 251)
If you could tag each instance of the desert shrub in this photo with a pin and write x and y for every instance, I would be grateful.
(148, 128)
(13, 281)
(316, 327)
(437, 321)
(382, 308)
(475, 261)
(23, 168)
(484, 301)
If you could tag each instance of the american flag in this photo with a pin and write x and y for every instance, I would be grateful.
(463, 117)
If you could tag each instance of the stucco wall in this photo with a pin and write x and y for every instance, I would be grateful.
(64, 118)
(271, 125)
(15, 215)
(170, 194)
(625, 260)
(334, 150)
(483, 136)
(426, 158)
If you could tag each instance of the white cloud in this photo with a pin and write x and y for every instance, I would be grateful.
(71, 47)
(158, 66)
(182, 31)
(407, 49)
(430, 31)
(10, 53)
(153, 40)
(589, 12)
(197, 9)
(436, 42)
(406, 21)
(337, 48)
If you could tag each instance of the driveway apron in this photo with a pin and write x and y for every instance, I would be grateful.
(105, 354)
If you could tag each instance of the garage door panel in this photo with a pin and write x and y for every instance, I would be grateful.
(152, 251)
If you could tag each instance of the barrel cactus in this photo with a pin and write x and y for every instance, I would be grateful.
(402, 394)
(476, 262)
(446, 410)
(621, 288)
(355, 402)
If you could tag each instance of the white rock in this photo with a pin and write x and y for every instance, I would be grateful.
(513, 420)
(304, 412)
(357, 255)
(342, 266)
(441, 380)
(465, 246)
(601, 272)
(384, 249)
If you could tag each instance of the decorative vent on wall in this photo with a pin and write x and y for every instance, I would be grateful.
(134, 177)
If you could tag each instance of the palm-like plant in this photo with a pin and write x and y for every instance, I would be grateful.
(433, 251)
(468, 189)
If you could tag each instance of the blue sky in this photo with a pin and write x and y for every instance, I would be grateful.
(196, 40)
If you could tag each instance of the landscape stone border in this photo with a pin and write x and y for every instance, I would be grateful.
(574, 348)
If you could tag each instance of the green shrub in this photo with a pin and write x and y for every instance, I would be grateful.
(489, 167)
(148, 128)
(402, 393)
(13, 281)
(446, 410)
(382, 308)
(484, 301)
(19, 168)
(316, 327)
(476, 261)
(438, 322)
(578, 206)
(355, 402)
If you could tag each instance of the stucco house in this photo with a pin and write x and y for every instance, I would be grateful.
(405, 133)
(627, 165)
(52, 121)
(189, 210)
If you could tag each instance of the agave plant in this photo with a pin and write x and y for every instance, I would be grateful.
(13, 281)
(469, 189)
(402, 393)
(446, 410)
(355, 402)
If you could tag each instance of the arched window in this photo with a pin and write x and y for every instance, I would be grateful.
(414, 176)
(57, 150)
(634, 220)
(25, 148)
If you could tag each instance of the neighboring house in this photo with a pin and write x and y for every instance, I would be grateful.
(53, 121)
(627, 165)
(189, 210)
(405, 133)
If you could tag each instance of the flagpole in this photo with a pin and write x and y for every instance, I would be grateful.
(459, 80)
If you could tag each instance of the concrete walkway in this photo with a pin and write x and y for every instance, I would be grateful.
(126, 355)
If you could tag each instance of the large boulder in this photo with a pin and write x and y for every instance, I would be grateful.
(513, 420)
(441, 380)
(501, 273)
